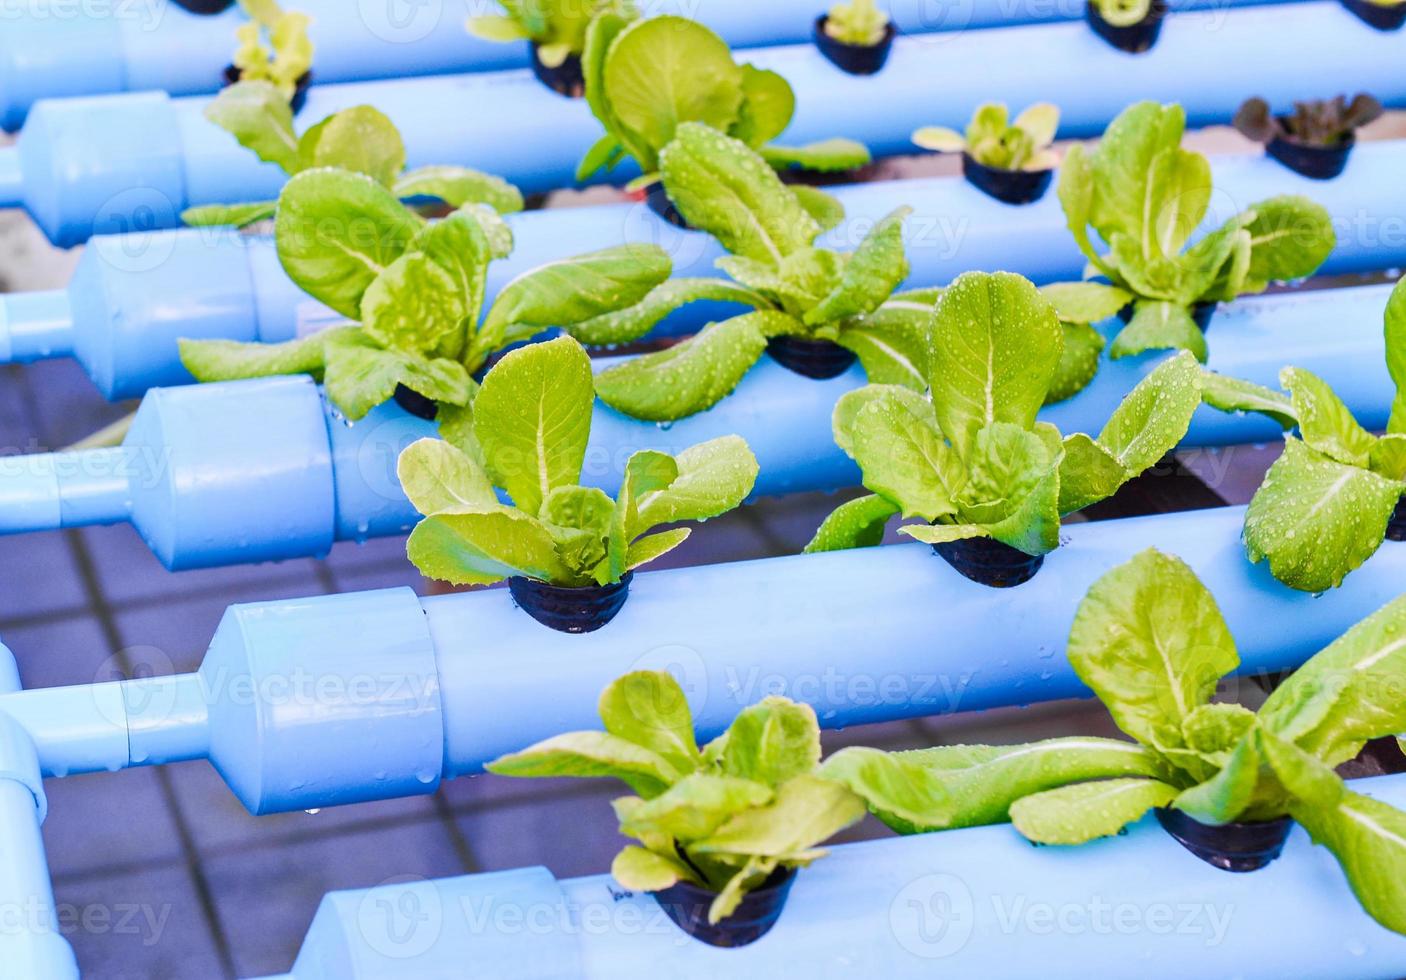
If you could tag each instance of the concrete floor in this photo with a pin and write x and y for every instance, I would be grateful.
(161, 872)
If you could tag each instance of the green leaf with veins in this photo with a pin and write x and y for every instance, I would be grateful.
(360, 374)
(1086, 811)
(1325, 423)
(632, 323)
(859, 523)
(722, 187)
(995, 347)
(437, 477)
(591, 754)
(904, 458)
(1368, 837)
(1227, 394)
(643, 870)
(1230, 791)
(692, 375)
(479, 547)
(646, 472)
(1150, 641)
(695, 807)
(649, 708)
(1085, 302)
(1159, 325)
(259, 117)
(1088, 473)
(768, 103)
(533, 418)
(1155, 415)
(1316, 519)
(232, 215)
(651, 546)
(772, 742)
(1078, 364)
(891, 344)
(336, 232)
(712, 478)
(870, 275)
(825, 156)
(1290, 237)
(825, 208)
(232, 360)
(413, 306)
(360, 139)
(891, 785)
(457, 186)
(851, 403)
(1395, 332)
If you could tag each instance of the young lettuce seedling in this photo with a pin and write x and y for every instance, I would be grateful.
(797, 291)
(1326, 503)
(1314, 122)
(416, 291)
(360, 139)
(285, 60)
(555, 28)
(994, 141)
(531, 422)
(1144, 195)
(970, 458)
(857, 22)
(727, 819)
(1150, 641)
(646, 77)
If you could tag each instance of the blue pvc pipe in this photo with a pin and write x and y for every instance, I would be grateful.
(31, 945)
(85, 51)
(133, 296)
(449, 683)
(114, 163)
(261, 470)
(968, 903)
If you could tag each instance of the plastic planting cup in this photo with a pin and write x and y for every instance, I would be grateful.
(990, 562)
(1201, 313)
(568, 609)
(300, 88)
(565, 79)
(205, 8)
(1382, 18)
(1312, 161)
(1135, 38)
(1009, 186)
(818, 359)
(415, 403)
(658, 201)
(1396, 527)
(855, 59)
(1237, 847)
(687, 905)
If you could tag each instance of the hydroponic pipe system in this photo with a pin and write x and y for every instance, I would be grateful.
(111, 164)
(264, 470)
(133, 296)
(966, 903)
(429, 689)
(31, 945)
(53, 49)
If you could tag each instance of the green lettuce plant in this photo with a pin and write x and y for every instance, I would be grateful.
(416, 294)
(1150, 641)
(724, 816)
(857, 22)
(287, 55)
(556, 27)
(360, 139)
(794, 288)
(1144, 195)
(531, 422)
(969, 458)
(1324, 505)
(993, 140)
(644, 78)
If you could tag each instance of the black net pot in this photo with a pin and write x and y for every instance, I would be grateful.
(687, 905)
(990, 562)
(817, 359)
(565, 79)
(415, 403)
(657, 199)
(300, 89)
(1314, 162)
(1201, 314)
(1135, 38)
(1382, 18)
(1237, 847)
(1396, 526)
(855, 59)
(205, 8)
(1009, 186)
(568, 609)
